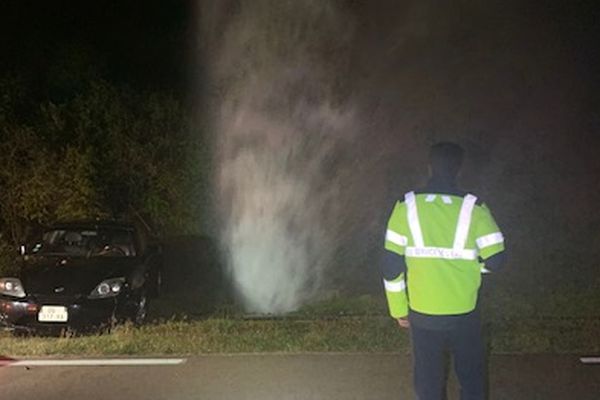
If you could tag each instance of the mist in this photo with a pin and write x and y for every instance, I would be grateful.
(281, 136)
(321, 113)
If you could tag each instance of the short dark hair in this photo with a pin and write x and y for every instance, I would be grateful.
(446, 158)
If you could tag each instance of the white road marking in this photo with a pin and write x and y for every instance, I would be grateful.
(96, 362)
(590, 360)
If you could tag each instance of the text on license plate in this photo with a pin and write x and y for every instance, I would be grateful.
(53, 314)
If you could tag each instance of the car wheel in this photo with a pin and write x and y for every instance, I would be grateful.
(142, 310)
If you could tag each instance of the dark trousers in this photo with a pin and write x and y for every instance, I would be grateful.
(430, 348)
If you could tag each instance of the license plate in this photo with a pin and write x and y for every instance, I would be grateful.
(53, 314)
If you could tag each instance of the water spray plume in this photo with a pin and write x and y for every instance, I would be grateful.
(280, 132)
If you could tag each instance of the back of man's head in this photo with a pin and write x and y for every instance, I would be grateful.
(446, 159)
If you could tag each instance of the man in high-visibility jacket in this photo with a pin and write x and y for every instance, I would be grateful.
(438, 242)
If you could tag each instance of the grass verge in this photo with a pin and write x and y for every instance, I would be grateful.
(338, 325)
(347, 334)
(220, 336)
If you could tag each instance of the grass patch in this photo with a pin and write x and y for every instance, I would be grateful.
(221, 336)
(347, 334)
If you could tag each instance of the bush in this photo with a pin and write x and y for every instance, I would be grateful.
(8, 258)
(104, 152)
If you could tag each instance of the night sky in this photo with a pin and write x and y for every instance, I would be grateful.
(154, 44)
(141, 44)
(148, 44)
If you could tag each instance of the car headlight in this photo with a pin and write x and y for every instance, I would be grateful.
(11, 287)
(108, 288)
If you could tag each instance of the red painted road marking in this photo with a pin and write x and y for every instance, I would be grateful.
(4, 361)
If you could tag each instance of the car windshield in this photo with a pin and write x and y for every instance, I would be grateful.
(86, 243)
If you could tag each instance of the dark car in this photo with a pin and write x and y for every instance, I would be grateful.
(80, 276)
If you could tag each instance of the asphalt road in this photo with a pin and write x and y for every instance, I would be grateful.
(303, 376)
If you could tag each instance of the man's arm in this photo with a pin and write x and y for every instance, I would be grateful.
(393, 264)
(489, 240)
(393, 268)
(496, 262)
